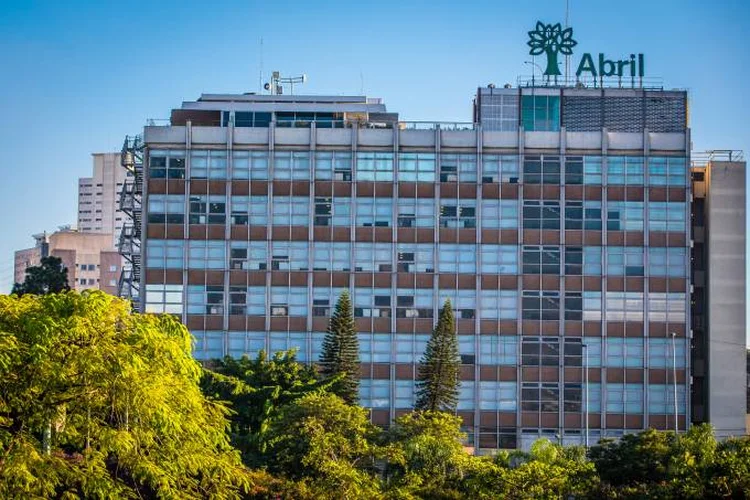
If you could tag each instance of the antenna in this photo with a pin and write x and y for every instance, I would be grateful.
(275, 86)
(260, 75)
(361, 83)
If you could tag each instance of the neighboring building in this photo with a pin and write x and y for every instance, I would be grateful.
(91, 260)
(557, 224)
(747, 419)
(99, 197)
(28, 257)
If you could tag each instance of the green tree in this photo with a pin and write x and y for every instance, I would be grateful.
(98, 402)
(50, 276)
(551, 39)
(340, 354)
(256, 389)
(438, 377)
(327, 445)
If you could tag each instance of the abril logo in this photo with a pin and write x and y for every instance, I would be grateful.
(551, 39)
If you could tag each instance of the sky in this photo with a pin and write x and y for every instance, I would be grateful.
(77, 76)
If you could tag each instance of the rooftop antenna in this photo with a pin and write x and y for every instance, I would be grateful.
(361, 83)
(275, 86)
(260, 75)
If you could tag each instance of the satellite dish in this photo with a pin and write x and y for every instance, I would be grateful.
(267, 86)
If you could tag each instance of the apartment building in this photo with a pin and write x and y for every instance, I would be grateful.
(99, 197)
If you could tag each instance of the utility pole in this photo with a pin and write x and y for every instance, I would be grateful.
(674, 379)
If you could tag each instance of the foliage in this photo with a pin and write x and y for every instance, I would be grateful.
(256, 389)
(98, 402)
(50, 276)
(340, 354)
(438, 379)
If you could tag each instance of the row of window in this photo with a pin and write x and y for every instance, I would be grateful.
(419, 303)
(418, 212)
(416, 257)
(419, 167)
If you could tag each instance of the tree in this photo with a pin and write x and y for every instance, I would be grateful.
(50, 276)
(98, 402)
(551, 39)
(438, 382)
(340, 354)
(255, 389)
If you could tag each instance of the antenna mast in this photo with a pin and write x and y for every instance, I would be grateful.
(260, 75)
(275, 86)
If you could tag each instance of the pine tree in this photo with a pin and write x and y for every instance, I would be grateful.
(340, 354)
(438, 382)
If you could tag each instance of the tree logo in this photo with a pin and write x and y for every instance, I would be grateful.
(552, 40)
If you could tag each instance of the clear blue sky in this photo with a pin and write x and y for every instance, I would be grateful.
(77, 76)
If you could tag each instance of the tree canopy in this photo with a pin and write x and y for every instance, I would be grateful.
(50, 276)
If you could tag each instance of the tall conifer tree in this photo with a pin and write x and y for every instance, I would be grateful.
(340, 354)
(438, 378)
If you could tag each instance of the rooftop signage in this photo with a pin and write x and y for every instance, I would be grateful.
(552, 39)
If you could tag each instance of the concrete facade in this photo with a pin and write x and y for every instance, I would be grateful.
(99, 196)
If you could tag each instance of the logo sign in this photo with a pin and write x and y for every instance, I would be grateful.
(552, 39)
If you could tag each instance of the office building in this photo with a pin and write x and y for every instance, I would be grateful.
(558, 223)
(99, 196)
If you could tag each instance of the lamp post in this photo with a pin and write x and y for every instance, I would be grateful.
(541, 72)
(674, 379)
(586, 395)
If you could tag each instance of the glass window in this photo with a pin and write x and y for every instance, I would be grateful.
(404, 394)
(583, 215)
(458, 167)
(538, 396)
(414, 303)
(625, 261)
(208, 164)
(208, 345)
(333, 165)
(458, 213)
(593, 349)
(374, 393)
(583, 170)
(541, 259)
(205, 209)
(372, 166)
(259, 210)
(498, 259)
(207, 254)
(457, 258)
(250, 255)
(498, 349)
(498, 396)
(333, 211)
(324, 300)
(409, 348)
(240, 210)
(416, 212)
(540, 113)
(625, 170)
(539, 304)
(416, 167)
(289, 256)
(583, 261)
(166, 208)
(539, 214)
(375, 212)
(624, 352)
(625, 216)
(498, 304)
(499, 214)
(667, 171)
(166, 164)
(661, 399)
(465, 396)
(373, 257)
(667, 216)
(165, 254)
(541, 169)
(660, 353)
(462, 301)
(372, 302)
(250, 165)
(205, 299)
(288, 301)
(255, 301)
(375, 348)
(540, 351)
(667, 262)
(291, 210)
(500, 168)
(415, 258)
(291, 165)
(583, 306)
(666, 307)
(625, 398)
(624, 306)
(164, 299)
(331, 256)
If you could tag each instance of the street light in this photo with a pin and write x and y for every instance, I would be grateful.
(586, 394)
(674, 378)
(541, 72)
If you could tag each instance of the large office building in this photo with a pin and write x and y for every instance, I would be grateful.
(99, 196)
(559, 222)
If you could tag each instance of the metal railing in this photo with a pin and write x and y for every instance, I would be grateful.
(427, 125)
(586, 82)
(702, 158)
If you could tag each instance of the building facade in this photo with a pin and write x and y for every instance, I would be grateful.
(99, 197)
(557, 224)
